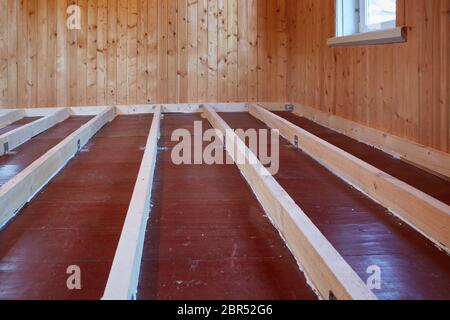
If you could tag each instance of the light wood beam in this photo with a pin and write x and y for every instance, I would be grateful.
(329, 273)
(15, 138)
(23, 187)
(124, 275)
(424, 213)
(11, 117)
(432, 160)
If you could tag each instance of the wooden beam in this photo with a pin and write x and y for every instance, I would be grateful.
(22, 188)
(124, 275)
(136, 109)
(329, 272)
(181, 108)
(15, 138)
(11, 117)
(432, 160)
(424, 213)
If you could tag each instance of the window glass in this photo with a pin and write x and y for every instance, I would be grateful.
(360, 16)
(380, 11)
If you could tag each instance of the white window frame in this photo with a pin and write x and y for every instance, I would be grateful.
(353, 29)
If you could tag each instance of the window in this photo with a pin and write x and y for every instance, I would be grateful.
(365, 22)
(377, 14)
(360, 16)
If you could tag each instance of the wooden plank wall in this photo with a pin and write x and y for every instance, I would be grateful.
(142, 51)
(402, 89)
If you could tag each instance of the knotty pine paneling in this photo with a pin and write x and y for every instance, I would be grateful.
(142, 51)
(402, 89)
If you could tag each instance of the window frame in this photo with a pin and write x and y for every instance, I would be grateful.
(390, 33)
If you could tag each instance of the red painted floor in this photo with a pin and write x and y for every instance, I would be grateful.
(208, 237)
(363, 232)
(76, 220)
(18, 124)
(418, 178)
(20, 158)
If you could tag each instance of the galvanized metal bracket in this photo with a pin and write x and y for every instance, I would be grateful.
(296, 141)
(289, 107)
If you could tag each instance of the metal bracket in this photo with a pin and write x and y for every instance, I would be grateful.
(289, 107)
(296, 141)
(6, 147)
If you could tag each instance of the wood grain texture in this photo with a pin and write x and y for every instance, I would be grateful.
(402, 89)
(141, 51)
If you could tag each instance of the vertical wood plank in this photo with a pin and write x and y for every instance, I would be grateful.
(252, 50)
(152, 47)
(142, 41)
(193, 51)
(281, 52)
(262, 51)
(62, 79)
(222, 50)
(92, 47)
(111, 97)
(32, 53)
(182, 43)
(233, 77)
(3, 53)
(444, 79)
(52, 53)
(132, 46)
(102, 51)
(122, 49)
(162, 51)
(425, 73)
(81, 63)
(212, 50)
(42, 54)
(172, 44)
(12, 52)
(202, 75)
(72, 54)
(242, 51)
(271, 47)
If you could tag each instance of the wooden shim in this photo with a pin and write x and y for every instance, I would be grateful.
(22, 188)
(13, 139)
(11, 117)
(124, 275)
(424, 213)
(329, 272)
(429, 159)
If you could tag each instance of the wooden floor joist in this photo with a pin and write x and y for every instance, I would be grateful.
(329, 272)
(20, 189)
(11, 117)
(124, 275)
(424, 213)
(426, 158)
(13, 139)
